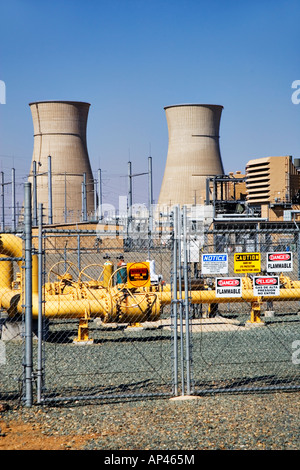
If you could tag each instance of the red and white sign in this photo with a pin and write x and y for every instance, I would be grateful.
(279, 262)
(228, 287)
(266, 281)
(266, 286)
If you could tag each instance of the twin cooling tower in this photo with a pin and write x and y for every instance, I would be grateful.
(193, 153)
(60, 132)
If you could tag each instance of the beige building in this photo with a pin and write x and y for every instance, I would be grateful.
(193, 153)
(273, 184)
(60, 132)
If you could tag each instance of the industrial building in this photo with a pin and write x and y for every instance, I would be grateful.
(273, 186)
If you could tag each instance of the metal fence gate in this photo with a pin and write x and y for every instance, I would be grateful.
(12, 318)
(104, 337)
(239, 307)
(16, 282)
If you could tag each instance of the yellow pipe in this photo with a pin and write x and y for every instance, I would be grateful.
(209, 296)
(111, 303)
(12, 246)
(116, 309)
(6, 273)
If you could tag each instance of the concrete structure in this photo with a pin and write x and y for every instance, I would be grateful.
(193, 153)
(60, 132)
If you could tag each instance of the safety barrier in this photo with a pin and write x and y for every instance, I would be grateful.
(103, 317)
(242, 326)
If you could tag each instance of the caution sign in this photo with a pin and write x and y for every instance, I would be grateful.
(247, 262)
(228, 287)
(279, 261)
(138, 274)
(265, 286)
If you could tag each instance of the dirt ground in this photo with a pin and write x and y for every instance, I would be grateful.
(17, 435)
(220, 422)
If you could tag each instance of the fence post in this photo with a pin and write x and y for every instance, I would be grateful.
(28, 295)
(2, 203)
(175, 319)
(40, 306)
(34, 193)
(84, 200)
(187, 306)
(78, 252)
(13, 200)
(50, 213)
(179, 222)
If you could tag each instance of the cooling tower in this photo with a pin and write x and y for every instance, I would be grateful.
(193, 153)
(60, 132)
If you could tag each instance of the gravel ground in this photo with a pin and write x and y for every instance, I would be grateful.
(217, 422)
(220, 421)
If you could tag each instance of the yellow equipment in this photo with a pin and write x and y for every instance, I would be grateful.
(87, 297)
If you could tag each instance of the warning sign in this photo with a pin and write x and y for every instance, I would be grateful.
(214, 263)
(228, 287)
(138, 274)
(247, 262)
(279, 261)
(265, 286)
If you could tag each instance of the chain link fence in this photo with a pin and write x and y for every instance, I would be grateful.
(243, 324)
(122, 312)
(12, 326)
(106, 333)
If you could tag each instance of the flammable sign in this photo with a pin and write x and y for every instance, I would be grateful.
(228, 287)
(279, 262)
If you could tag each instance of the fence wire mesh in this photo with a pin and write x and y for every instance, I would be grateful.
(244, 334)
(104, 337)
(218, 313)
(12, 328)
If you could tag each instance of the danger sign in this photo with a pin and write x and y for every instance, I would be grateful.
(265, 286)
(228, 287)
(138, 274)
(247, 262)
(279, 262)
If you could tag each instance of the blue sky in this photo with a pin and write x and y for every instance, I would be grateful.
(131, 58)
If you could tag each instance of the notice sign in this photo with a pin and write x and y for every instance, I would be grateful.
(247, 262)
(265, 286)
(279, 261)
(138, 274)
(214, 263)
(228, 287)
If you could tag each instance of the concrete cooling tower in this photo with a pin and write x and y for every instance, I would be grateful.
(193, 153)
(60, 132)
